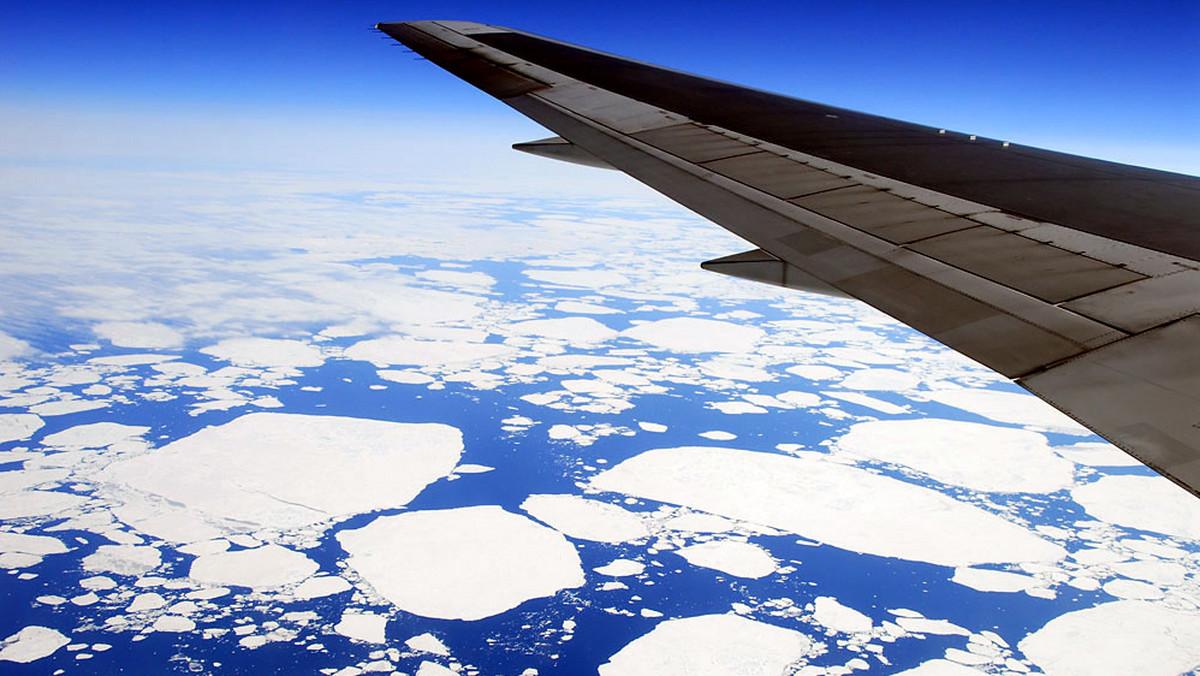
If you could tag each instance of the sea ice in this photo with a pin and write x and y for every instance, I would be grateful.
(1123, 637)
(574, 330)
(285, 470)
(1148, 503)
(836, 504)
(940, 668)
(994, 580)
(689, 334)
(362, 626)
(815, 372)
(404, 377)
(317, 587)
(23, 504)
(265, 567)
(31, 644)
(578, 308)
(1016, 408)
(828, 612)
(123, 559)
(972, 455)
(146, 601)
(710, 645)
(176, 624)
(740, 559)
(147, 335)
(268, 352)
(924, 625)
(1095, 454)
(889, 380)
(586, 519)
(40, 545)
(866, 401)
(621, 568)
(93, 435)
(17, 426)
(403, 351)
(427, 643)
(591, 279)
(466, 563)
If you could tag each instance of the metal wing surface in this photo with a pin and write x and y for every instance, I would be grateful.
(1077, 278)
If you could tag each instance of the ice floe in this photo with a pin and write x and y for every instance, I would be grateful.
(591, 279)
(39, 545)
(403, 351)
(32, 644)
(836, 504)
(829, 613)
(740, 559)
(889, 380)
(17, 426)
(710, 645)
(123, 559)
(268, 352)
(94, 435)
(37, 503)
(586, 519)
(266, 567)
(1095, 454)
(972, 455)
(320, 586)
(1017, 408)
(286, 470)
(574, 330)
(1148, 503)
(362, 626)
(985, 580)
(621, 568)
(427, 643)
(689, 334)
(466, 563)
(149, 335)
(1123, 637)
(579, 308)
(939, 668)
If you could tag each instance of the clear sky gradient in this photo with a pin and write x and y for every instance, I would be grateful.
(1118, 80)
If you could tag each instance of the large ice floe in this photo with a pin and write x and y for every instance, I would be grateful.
(265, 567)
(740, 559)
(688, 334)
(971, 455)
(1149, 503)
(1123, 637)
(579, 517)
(281, 471)
(31, 644)
(465, 563)
(710, 645)
(833, 503)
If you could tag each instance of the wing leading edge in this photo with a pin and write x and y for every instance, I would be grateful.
(1077, 278)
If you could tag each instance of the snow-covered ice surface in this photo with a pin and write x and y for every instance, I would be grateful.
(466, 563)
(317, 425)
(710, 645)
(828, 502)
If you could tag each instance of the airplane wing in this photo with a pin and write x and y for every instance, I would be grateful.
(1077, 278)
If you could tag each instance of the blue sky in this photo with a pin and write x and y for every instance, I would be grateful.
(1119, 80)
